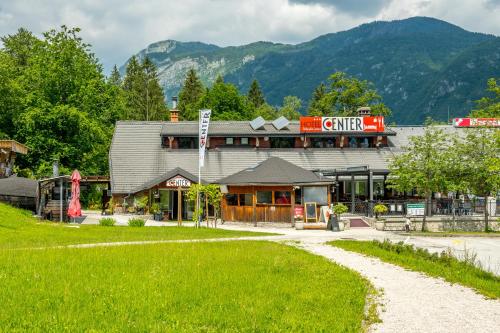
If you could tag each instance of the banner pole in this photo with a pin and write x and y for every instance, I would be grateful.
(198, 222)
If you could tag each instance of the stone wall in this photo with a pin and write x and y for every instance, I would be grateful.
(435, 224)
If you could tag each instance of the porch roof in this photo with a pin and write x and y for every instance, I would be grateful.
(275, 171)
(164, 177)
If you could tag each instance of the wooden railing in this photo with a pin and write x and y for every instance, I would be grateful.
(263, 213)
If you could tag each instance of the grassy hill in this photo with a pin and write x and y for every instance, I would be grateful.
(421, 66)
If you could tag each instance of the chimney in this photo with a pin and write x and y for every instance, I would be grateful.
(364, 111)
(174, 113)
(55, 168)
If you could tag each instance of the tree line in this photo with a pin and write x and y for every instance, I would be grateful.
(56, 99)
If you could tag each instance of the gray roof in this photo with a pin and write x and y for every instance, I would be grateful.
(136, 157)
(18, 187)
(239, 128)
(404, 133)
(274, 171)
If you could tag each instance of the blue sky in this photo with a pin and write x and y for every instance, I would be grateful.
(119, 28)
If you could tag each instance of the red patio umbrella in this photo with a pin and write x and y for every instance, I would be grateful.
(74, 208)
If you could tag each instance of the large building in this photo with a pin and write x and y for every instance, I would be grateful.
(268, 170)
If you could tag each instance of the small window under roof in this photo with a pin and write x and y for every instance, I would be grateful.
(257, 123)
(281, 123)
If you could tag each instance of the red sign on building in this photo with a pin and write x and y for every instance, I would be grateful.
(373, 124)
(476, 122)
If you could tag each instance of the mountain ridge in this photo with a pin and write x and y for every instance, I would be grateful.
(406, 60)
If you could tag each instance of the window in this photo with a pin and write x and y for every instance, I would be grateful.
(232, 199)
(229, 141)
(246, 199)
(360, 142)
(166, 142)
(316, 194)
(282, 197)
(187, 142)
(323, 142)
(264, 197)
(244, 141)
(282, 142)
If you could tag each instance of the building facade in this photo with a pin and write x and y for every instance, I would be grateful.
(268, 170)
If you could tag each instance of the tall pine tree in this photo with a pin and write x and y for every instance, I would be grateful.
(115, 78)
(145, 98)
(315, 106)
(255, 95)
(191, 92)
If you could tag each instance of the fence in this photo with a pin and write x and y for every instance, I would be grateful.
(446, 207)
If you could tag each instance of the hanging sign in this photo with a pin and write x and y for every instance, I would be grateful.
(178, 181)
(203, 135)
(342, 124)
(476, 122)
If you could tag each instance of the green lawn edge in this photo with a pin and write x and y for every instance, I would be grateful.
(441, 265)
(19, 229)
(452, 234)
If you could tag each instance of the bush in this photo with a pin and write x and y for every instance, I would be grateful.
(136, 222)
(340, 209)
(107, 222)
(379, 209)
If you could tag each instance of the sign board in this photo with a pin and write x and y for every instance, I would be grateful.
(178, 181)
(373, 124)
(203, 134)
(415, 209)
(298, 211)
(476, 122)
(310, 210)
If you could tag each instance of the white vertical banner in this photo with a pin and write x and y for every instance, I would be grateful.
(203, 134)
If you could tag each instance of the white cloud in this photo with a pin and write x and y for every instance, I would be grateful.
(117, 28)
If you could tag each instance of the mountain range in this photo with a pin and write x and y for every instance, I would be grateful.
(422, 67)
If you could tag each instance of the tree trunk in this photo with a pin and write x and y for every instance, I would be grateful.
(486, 226)
(426, 210)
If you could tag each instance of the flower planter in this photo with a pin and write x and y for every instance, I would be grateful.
(379, 225)
(158, 216)
(341, 225)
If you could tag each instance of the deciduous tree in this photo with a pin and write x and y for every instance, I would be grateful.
(489, 106)
(475, 164)
(422, 167)
(345, 95)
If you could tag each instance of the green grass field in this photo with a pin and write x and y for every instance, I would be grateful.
(238, 286)
(18, 229)
(439, 265)
(244, 286)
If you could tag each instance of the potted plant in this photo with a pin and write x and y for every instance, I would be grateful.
(379, 209)
(140, 204)
(155, 210)
(338, 210)
(109, 207)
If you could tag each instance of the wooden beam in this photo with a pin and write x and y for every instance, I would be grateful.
(254, 205)
(179, 206)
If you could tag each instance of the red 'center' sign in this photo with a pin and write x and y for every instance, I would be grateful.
(342, 124)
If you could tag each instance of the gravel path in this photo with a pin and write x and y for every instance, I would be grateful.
(413, 302)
